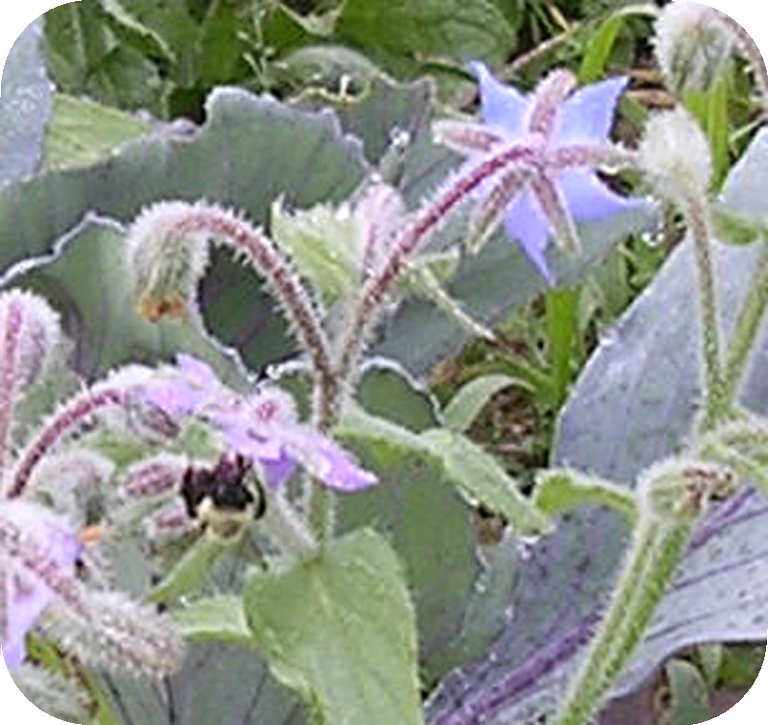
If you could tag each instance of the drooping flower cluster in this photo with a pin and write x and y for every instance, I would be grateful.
(41, 549)
(547, 146)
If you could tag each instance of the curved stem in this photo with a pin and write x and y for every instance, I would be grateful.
(289, 290)
(412, 237)
(648, 569)
(65, 421)
(748, 326)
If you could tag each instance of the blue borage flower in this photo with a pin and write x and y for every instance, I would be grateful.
(562, 137)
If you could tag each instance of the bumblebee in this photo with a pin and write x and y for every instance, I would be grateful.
(225, 499)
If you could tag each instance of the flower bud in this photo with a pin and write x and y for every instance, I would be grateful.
(167, 255)
(75, 482)
(154, 477)
(675, 155)
(692, 45)
(30, 334)
(680, 490)
(120, 636)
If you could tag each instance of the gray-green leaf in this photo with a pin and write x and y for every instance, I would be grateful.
(341, 629)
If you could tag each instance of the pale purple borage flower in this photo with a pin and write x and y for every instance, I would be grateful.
(554, 140)
(262, 427)
(50, 543)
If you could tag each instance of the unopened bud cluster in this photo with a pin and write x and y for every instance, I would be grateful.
(680, 490)
(167, 259)
(676, 156)
(31, 333)
(692, 45)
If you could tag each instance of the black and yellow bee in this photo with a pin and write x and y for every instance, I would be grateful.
(225, 499)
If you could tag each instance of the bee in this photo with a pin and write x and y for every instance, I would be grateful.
(225, 499)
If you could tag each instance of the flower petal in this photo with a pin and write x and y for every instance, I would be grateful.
(325, 460)
(589, 199)
(525, 222)
(26, 595)
(587, 116)
(501, 105)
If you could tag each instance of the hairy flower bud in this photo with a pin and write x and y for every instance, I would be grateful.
(74, 481)
(675, 155)
(120, 636)
(30, 334)
(166, 259)
(680, 490)
(154, 477)
(692, 44)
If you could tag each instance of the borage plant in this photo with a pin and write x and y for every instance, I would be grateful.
(302, 528)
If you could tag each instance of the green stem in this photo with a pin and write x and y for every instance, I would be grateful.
(283, 523)
(716, 402)
(648, 569)
(748, 326)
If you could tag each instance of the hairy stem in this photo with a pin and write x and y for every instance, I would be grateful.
(9, 381)
(649, 566)
(286, 284)
(283, 523)
(748, 326)
(63, 422)
(716, 403)
(410, 239)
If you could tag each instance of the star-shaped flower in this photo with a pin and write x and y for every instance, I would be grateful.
(263, 426)
(549, 144)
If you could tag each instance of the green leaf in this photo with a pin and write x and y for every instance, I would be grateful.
(326, 246)
(484, 481)
(341, 630)
(734, 228)
(129, 27)
(382, 109)
(689, 697)
(466, 465)
(403, 35)
(82, 132)
(562, 328)
(599, 47)
(85, 57)
(25, 107)
(559, 490)
(220, 618)
(469, 401)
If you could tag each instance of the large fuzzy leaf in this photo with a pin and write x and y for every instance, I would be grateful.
(205, 692)
(25, 107)
(634, 404)
(341, 629)
(250, 151)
